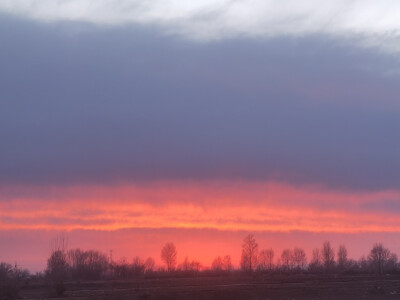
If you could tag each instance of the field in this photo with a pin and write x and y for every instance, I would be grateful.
(268, 286)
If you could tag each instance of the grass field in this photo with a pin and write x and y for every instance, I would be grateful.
(267, 286)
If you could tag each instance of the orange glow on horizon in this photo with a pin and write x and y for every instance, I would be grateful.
(218, 205)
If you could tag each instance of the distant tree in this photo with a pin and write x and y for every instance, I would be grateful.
(89, 264)
(185, 266)
(121, 268)
(57, 270)
(195, 265)
(5, 271)
(57, 264)
(299, 258)
(263, 260)
(342, 257)
(169, 256)
(328, 255)
(192, 266)
(363, 264)
(217, 264)
(391, 264)
(286, 259)
(137, 267)
(11, 278)
(249, 253)
(378, 257)
(270, 258)
(149, 265)
(76, 260)
(227, 263)
(316, 260)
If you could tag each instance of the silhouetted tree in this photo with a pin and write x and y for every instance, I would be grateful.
(227, 263)
(222, 264)
(316, 260)
(342, 257)
(89, 264)
(169, 255)
(121, 268)
(57, 264)
(149, 265)
(286, 259)
(195, 265)
(299, 258)
(137, 267)
(263, 260)
(391, 264)
(57, 270)
(266, 259)
(11, 278)
(249, 253)
(217, 264)
(378, 257)
(185, 266)
(364, 264)
(328, 255)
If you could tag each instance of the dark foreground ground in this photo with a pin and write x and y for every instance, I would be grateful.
(229, 287)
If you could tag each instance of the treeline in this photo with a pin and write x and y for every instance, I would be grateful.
(323, 260)
(11, 278)
(76, 264)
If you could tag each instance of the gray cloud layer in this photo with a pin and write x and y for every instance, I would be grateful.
(79, 104)
(374, 23)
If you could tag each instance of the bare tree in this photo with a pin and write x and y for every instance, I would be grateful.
(342, 257)
(265, 259)
(89, 264)
(227, 263)
(121, 268)
(217, 264)
(262, 260)
(195, 266)
(378, 256)
(286, 259)
(149, 265)
(363, 263)
(11, 279)
(137, 266)
(57, 264)
(185, 266)
(59, 243)
(328, 255)
(270, 258)
(249, 253)
(169, 256)
(57, 270)
(391, 264)
(222, 264)
(316, 260)
(299, 258)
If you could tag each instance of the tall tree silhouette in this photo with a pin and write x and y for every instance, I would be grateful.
(169, 256)
(57, 263)
(342, 257)
(249, 253)
(328, 255)
(378, 256)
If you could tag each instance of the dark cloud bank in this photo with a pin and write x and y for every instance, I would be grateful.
(95, 105)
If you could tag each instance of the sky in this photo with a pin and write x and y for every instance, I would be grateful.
(129, 124)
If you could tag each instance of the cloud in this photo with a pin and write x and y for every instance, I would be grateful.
(222, 205)
(373, 23)
(109, 107)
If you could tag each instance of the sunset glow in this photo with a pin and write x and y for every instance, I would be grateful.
(126, 126)
(210, 205)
